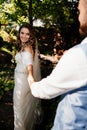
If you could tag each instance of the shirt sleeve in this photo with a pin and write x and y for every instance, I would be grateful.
(27, 58)
(69, 74)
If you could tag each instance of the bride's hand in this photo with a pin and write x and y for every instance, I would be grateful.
(30, 80)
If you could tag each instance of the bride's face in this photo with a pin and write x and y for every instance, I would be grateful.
(24, 35)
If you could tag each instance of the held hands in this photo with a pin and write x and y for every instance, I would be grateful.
(30, 80)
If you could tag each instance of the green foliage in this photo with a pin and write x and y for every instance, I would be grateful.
(55, 11)
(6, 79)
(59, 14)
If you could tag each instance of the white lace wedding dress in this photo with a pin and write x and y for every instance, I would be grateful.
(24, 103)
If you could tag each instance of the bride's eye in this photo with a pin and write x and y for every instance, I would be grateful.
(21, 32)
(28, 34)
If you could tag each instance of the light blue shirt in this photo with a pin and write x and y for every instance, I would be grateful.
(69, 78)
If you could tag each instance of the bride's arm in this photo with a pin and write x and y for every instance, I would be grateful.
(30, 66)
(30, 74)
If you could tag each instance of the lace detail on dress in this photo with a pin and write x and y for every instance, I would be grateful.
(23, 59)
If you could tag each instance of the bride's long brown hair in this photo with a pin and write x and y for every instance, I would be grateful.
(32, 39)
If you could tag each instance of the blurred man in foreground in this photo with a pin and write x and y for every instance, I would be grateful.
(69, 78)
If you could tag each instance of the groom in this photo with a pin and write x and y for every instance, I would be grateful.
(69, 78)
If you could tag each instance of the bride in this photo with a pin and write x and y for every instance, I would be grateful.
(27, 70)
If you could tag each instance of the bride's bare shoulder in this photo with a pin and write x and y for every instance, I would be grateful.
(29, 49)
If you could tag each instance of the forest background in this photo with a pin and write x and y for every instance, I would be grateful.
(56, 17)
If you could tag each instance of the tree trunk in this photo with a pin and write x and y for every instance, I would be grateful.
(30, 12)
